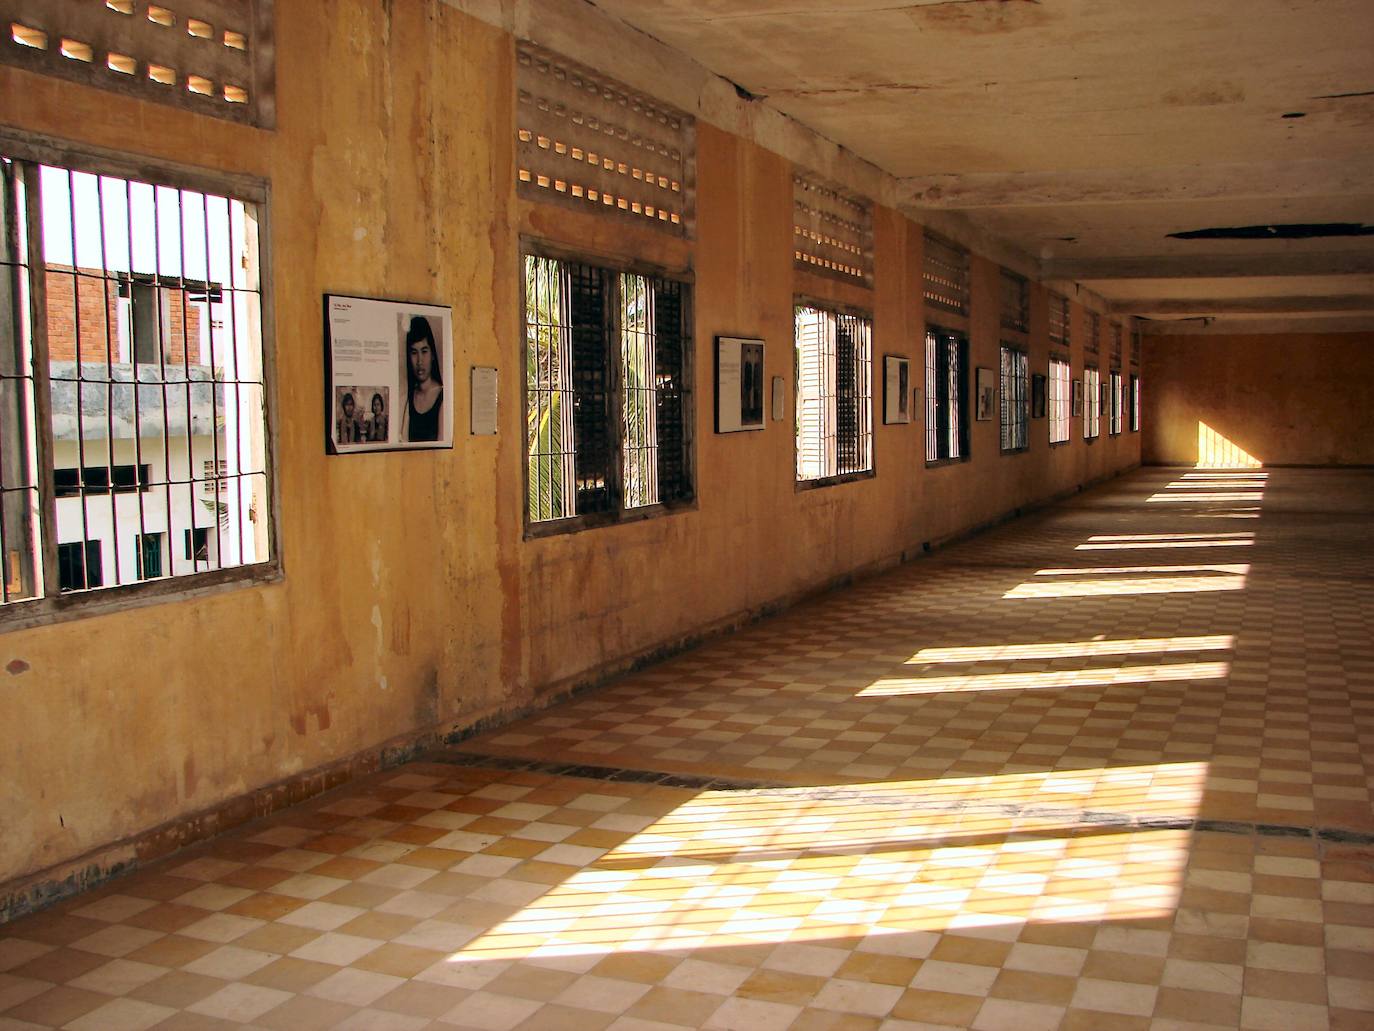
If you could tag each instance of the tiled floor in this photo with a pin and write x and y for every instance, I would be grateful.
(1107, 767)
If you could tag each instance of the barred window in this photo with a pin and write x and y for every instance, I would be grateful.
(834, 394)
(944, 275)
(607, 391)
(1015, 397)
(1116, 402)
(1093, 343)
(1060, 401)
(1135, 403)
(1059, 320)
(143, 368)
(1015, 296)
(1135, 346)
(1092, 403)
(1116, 343)
(946, 395)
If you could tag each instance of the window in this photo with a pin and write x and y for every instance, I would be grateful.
(607, 391)
(834, 394)
(1117, 403)
(78, 565)
(145, 363)
(1093, 343)
(1060, 401)
(1135, 403)
(946, 395)
(73, 483)
(149, 556)
(1092, 403)
(197, 544)
(1015, 394)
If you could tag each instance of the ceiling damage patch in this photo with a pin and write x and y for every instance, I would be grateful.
(1286, 231)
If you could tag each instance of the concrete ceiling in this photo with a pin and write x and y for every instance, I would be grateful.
(1084, 132)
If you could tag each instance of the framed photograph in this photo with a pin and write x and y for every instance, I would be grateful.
(896, 389)
(386, 367)
(985, 397)
(1077, 398)
(739, 384)
(1037, 396)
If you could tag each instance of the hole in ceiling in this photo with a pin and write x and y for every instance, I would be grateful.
(1289, 231)
(1296, 114)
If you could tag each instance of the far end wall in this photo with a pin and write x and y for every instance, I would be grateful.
(1279, 398)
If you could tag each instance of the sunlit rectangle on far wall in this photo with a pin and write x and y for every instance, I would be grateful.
(1138, 585)
(1074, 649)
(1215, 451)
(1047, 679)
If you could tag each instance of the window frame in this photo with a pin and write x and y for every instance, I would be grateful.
(534, 529)
(53, 605)
(1116, 403)
(1133, 402)
(960, 340)
(850, 311)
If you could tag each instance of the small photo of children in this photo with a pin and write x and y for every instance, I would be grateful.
(362, 415)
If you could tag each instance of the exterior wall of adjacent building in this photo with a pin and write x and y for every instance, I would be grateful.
(411, 602)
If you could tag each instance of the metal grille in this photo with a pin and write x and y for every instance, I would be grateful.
(148, 363)
(832, 229)
(1092, 403)
(588, 330)
(1059, 320)
(1116, 343)
(549, 455)
(213, 57)
(1135, 347)
(671, 341)
(1015, 399)
(594, 142)
(945, 275)
(606, 390)
(1093, 343)
(945, 361)
(1060, 401)
(1015, 297)
(834, 394)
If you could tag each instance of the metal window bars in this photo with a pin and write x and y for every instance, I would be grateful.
(834, 393)
(114, 401)
(1060, 401)
(1015, 398)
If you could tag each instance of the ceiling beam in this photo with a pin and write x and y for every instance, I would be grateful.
(1247, 326)
(1308, 177)
(1345, 304)
(1211, 266)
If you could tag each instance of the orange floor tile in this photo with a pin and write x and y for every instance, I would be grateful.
(1105, 767)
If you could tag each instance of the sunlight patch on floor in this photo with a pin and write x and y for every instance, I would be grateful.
(888, 858)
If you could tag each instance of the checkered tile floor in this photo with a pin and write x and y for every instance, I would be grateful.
(1108, 767)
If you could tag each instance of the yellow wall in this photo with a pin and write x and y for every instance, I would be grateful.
(1276, 398)
(410, 601)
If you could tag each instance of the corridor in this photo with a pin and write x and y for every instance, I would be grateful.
(1105, 766)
